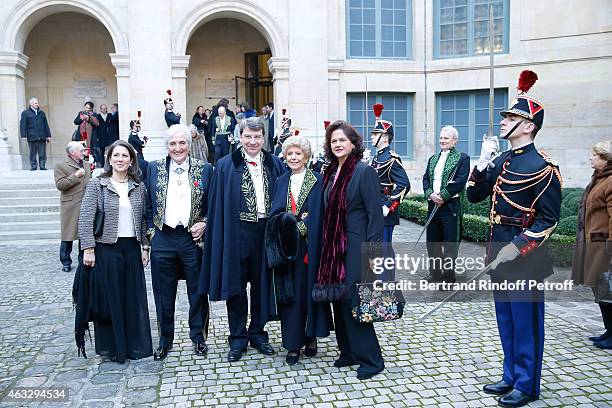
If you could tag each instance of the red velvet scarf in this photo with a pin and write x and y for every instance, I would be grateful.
(332, 271)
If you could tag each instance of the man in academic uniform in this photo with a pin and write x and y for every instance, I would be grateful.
(525, 189)
(394, 182)
(177, 199)
(443, 183)
(238, 208)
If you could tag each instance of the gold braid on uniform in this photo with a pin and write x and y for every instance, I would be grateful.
(547, 172)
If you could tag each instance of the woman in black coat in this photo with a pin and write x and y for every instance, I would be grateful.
(352, 216)
(299, 192)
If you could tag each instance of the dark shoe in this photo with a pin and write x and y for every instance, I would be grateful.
(43, 168)
(604, 344)
(361, 375)
(515, 398)
(498, 388)
(293, 357)
(265, 349)
(66, 268)
(161, 353)
(33, 169)
(311, 348)
(200, 348)
(605, 335)
(344, 362)
(235, 354)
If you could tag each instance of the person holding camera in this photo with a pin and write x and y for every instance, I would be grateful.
(87, 121)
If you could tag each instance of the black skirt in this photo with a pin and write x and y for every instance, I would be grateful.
(127, 334)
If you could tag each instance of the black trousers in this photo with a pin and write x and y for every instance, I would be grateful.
(606, 314)
(222, 147)
(38, 148)
(251, 249)
(173, 250)
(357, 341)
(443, 238)
(65, 251)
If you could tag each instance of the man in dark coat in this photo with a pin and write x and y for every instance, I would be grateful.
(525, 189)
(113, 126)
(443, 183)
(177, 199)
(239, 204)
(34, 127)
(271, 126)
(102, 133)
(171, 117)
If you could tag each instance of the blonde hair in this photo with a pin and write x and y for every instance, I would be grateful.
(300, 142)
(604, 150)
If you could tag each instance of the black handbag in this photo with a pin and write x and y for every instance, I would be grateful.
(98, 229)
(76, 136)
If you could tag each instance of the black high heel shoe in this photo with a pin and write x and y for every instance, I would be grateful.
(311, 348)
(293, 357)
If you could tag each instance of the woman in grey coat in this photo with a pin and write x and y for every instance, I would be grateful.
(119, 255)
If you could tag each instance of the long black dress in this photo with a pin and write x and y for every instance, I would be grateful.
(302, 319)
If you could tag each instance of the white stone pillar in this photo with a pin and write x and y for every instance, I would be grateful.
(122, 66)
(12, 101)
(180, 64)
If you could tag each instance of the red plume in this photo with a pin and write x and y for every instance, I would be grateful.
(378, 108)
(84, 135)
(169, 92)
(526, 80)
(326, 124)
(139, 113)
(297, 132)
(284, 111)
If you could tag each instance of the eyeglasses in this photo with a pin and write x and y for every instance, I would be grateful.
(257, 138)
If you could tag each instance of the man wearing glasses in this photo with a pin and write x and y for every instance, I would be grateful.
(239, 203)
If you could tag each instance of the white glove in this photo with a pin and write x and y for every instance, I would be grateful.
(488, 152)
(506, 254)
(385, 210)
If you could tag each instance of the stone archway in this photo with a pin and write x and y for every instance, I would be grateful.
(47, 69)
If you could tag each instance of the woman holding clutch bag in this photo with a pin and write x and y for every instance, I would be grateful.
(353, 216)
(119, 254)
(593, 250)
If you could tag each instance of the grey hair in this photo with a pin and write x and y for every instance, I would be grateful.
(253, 123)
(240, 116)
(32, 100)
(300, 142)
(450, 129)
(178, 130)
(193, 128)
(72, 146)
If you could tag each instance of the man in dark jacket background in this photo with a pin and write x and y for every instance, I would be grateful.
(113, 126)
(34, 127)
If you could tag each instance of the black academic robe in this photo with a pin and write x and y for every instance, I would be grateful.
(220, 277)
(310, 213)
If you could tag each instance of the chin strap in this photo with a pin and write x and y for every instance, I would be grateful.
(378, 141)
(512, 130)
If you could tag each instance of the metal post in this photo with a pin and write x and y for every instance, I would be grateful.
(491, 71)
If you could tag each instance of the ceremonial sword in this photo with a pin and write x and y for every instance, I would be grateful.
(452, 295)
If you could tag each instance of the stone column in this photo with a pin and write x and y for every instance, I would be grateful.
(180, 64)
(122, 65)
(12, 96)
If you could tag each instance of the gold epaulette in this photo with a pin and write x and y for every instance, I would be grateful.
(551, 162)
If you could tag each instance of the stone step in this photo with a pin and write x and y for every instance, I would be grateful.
(27, 217)
(29, 235)
(40, 200)
(29, 208)
(27, 186)
(37, 226)
(29, 193)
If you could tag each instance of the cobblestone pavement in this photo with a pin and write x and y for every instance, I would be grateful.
(441, 362)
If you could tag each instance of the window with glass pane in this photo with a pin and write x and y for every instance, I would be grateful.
(398, 110)
(379, 28)
(462, 27)
(468, 111)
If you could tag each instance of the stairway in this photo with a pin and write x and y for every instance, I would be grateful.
(29, 207)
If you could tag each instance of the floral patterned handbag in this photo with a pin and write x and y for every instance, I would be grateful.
(371, 305)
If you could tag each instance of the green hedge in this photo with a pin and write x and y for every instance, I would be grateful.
(567, 226)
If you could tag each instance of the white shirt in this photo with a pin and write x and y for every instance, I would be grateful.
(257, 177)
(437, 181)
(178, 198)
(104, 115)
(126, 217)
(296, 182)
(222, 124)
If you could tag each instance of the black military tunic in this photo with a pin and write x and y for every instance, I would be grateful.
(394, 181)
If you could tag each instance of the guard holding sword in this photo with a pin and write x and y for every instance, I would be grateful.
(443, 182)
(525, 189)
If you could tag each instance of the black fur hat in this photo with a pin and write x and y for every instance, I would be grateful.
(282, 239)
